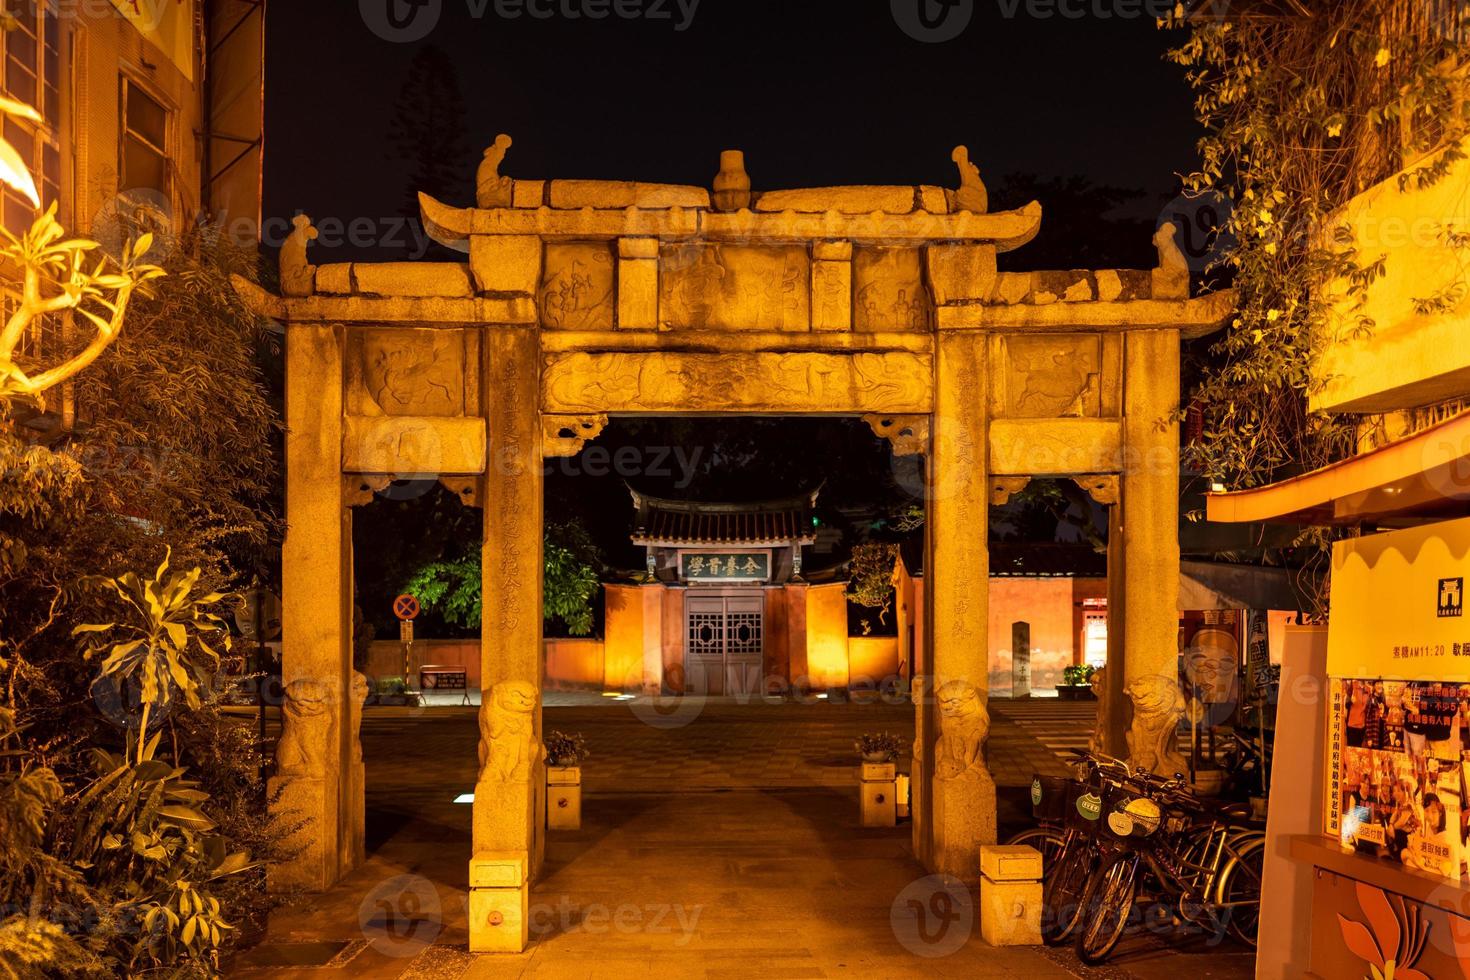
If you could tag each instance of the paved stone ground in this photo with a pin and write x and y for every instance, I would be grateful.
(717, 843)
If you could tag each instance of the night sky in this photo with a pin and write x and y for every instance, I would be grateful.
(815, 91)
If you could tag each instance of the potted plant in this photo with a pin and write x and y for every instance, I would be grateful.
(565, 754)
(393, 691)
(879, 747)
(1076, 683)
(877, 778)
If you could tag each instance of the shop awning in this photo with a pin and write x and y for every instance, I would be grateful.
(1425, 476)
(1219, 585)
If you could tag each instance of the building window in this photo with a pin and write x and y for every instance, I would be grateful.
(144, 141)
(32, 74)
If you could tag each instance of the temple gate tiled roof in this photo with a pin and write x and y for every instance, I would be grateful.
(676, 523)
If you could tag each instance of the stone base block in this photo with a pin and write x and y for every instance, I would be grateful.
(500, 919)
(879, 804)
(500, 896)
(1010, 912)
(1010, 862)
(563, 807)
(313, 866)
(902, 787)
(878, 772)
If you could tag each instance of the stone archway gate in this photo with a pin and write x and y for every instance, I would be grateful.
(585, 299)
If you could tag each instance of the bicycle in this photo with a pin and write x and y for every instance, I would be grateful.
(1202, 854)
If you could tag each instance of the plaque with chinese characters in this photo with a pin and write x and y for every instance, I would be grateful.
(725, 567)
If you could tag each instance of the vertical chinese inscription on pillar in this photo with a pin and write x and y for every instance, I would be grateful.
(510, 462)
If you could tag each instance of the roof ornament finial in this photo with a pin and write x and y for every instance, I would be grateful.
(971, 195)
(1171, 279)
(732, 183)
(298, 276)
(491, 189)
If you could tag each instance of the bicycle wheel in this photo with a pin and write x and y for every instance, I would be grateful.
(1240, 881)
(1106, 908)
(1062, 891)
(1047, 840)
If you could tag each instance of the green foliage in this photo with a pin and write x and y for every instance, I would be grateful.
(570, 583)
(171, 463)
(1078, 674)
(571, 577)
(451, 588)
(875, 744)
(871, 576)
(160, 643)
(1300, 114)
(563, 749)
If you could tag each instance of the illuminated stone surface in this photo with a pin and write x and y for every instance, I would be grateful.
(593, 297)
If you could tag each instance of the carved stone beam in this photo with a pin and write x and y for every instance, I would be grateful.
(359, 490)
(909, 434)
(1003, 487)
(1103, 488)
(564, 435)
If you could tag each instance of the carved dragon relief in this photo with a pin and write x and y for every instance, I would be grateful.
(1100, 487)
(565, 435)
(908, 434)
(576, 383)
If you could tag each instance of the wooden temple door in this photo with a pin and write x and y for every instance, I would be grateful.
(724, 644)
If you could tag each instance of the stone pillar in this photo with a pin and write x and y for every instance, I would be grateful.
(955, 792)
(314, 758)
(1150, 535)
(653, 638)
(1021, 660)
(508, 830)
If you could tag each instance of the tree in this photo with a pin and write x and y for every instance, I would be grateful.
(427, 131)
(1300, 113)
(174, 452)
(451, 587)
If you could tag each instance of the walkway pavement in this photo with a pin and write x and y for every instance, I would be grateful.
(717, 843)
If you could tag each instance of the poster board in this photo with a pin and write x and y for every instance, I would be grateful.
(1398, 714)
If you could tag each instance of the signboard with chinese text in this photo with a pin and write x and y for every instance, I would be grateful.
(744, 566)
(1396, 601)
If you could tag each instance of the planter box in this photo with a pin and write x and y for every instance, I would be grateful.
(1075, 692)
(878, 794)
(878, 772)
(564, 797)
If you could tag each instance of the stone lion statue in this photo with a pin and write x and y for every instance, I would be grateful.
(305, 725)
(964, 725)
(1153, 736)
(1099, 681)
(508, 746)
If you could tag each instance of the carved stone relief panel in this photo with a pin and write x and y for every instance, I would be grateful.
(577, 287)
(412, 371)
(888, 290)
(1053, 376)
(894, 381)
(734, 287)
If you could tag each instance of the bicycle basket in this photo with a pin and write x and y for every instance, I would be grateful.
(1084, 807)
(1049, 796)
(1131, 815)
